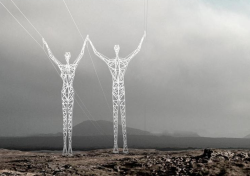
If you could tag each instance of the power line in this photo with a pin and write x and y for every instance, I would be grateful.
(147, 18)
(98, 79)
(146, 15)
(26, 31)
(27, 19)
(90, 57)
(43, 50)
(20, 24)
(145, 28)
(73, 20)
(86, 113)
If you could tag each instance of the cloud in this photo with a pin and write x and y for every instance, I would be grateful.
(190, 75)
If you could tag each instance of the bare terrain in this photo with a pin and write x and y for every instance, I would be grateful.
(137, 162)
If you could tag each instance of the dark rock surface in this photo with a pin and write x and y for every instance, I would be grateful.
(137, 162)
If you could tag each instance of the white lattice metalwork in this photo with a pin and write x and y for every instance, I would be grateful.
(67, 93)
(117, 67)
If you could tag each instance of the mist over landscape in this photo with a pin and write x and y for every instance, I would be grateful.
(187, 88)
(191, 75)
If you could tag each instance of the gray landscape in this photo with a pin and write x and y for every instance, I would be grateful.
(85, 137)
(187, 88)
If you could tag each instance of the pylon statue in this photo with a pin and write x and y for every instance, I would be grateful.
(67, 93)
(117, 67)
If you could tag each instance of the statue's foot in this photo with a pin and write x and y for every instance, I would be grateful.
(125, 150)
(70, 152)
(64, 153)
(115, 150)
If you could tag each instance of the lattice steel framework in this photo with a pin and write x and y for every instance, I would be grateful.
(67, 93)
(117, 67)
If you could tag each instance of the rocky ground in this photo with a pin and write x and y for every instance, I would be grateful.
(137, 162)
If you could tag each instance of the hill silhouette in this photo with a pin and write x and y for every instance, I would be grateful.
(102, 127)
(98, 128)
(99, 134)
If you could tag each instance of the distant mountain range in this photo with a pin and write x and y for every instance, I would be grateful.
(98, 128)
(99, 134)
(102, 127)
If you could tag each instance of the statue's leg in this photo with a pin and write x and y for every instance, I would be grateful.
(123, 119)
(115, 118)
(70, 121)
(64, 111)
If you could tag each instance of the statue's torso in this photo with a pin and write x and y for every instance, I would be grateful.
(117, 68)
(68, 74)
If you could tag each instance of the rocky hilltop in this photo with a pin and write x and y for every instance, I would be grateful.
(137, 162)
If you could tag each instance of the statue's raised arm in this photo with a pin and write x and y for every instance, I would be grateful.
(130, 56)
(101, 56)
(51, 56)
(82, 52)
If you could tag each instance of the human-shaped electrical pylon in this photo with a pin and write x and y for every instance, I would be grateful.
(67, 93)
(117, 67)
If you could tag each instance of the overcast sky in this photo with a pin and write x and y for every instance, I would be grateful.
(192, 73)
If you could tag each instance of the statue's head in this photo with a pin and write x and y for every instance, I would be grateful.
(117, 49)
(67, 57)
